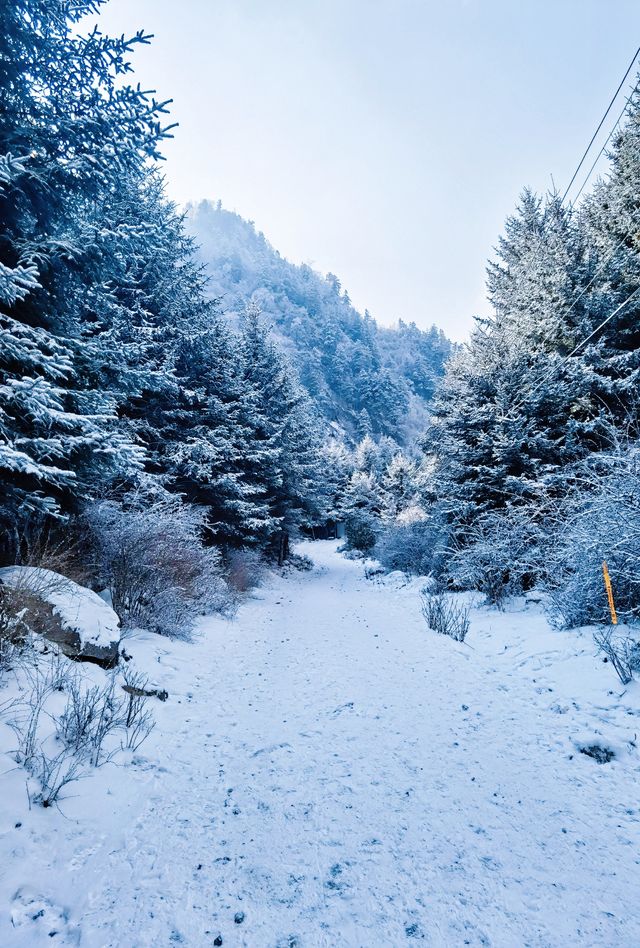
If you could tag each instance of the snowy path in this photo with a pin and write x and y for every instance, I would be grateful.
(343, 777)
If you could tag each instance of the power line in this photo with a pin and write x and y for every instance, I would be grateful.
(601, 326)
(599, 155)
(511, 335)
(602, 121)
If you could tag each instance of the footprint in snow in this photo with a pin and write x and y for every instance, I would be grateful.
(270, 749)
(32, 909)
(343, 707)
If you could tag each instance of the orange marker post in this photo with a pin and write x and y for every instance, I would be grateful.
(607, 583)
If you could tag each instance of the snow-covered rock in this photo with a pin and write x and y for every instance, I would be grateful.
(89, 628)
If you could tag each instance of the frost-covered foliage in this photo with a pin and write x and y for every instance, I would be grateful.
(368, 379)
(244, 569)
(599, 520)
(384, 496)
(151, 558)
(70, 133)
(416, 546)
(361, 529)
(501, 554)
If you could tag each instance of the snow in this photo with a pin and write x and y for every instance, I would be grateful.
(80, 609)
(342, 776)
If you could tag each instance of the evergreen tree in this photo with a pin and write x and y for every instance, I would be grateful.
(284, 450)
(610, 218)
(70, 132)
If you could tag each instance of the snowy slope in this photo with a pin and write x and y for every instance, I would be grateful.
(342, 776)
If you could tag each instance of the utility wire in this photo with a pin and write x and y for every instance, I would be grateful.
(602, 121)
(511, 335)
(599, 156)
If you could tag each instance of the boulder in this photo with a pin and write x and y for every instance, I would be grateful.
(85, 627)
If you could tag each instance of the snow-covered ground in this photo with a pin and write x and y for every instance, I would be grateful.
(330, 773)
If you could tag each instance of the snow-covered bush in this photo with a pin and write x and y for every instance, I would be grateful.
(415, 547)
(444, 615)
(153, 562)
(300, 563)
(599, 520)
(500, 556)
(361, 531)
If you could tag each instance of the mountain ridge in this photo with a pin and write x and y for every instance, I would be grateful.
(363, 377)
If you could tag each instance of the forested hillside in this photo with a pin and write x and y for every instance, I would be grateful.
(365, 378)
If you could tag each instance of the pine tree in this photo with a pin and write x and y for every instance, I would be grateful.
(69, 133)
(283, 451)
(610, 218)
(502, 432)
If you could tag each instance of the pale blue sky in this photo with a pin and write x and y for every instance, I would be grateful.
(384, 140)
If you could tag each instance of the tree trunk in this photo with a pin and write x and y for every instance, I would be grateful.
(283, 547)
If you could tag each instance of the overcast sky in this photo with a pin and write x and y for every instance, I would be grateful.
(383, 140)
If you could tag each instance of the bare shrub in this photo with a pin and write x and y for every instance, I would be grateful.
(137, 720)
(621, 649)
(90, 716)
(25, 727)
(93, 714)
(53, 545)
(53, 773)
(244, 569)
(444, 615)
(39, 683)
(152, 560)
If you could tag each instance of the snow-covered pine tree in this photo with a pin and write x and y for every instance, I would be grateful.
(283, 454)
(208, 448)
(610, 217)
(502, 431)
(70, 131)
(400, 486)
